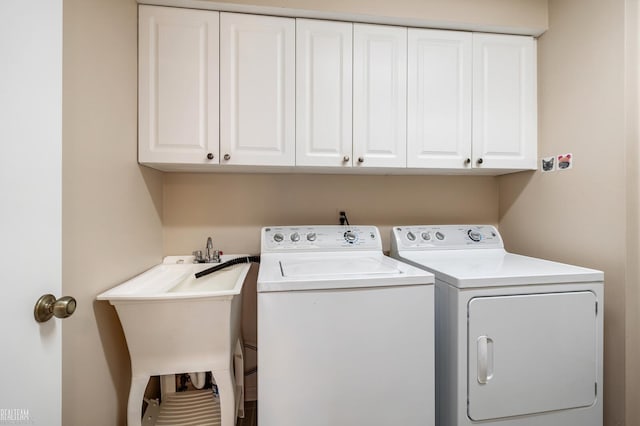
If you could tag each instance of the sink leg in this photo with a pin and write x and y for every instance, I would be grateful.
(136, 395)
(238, 367)
(226, 392)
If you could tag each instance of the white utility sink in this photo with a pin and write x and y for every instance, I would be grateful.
(175, 323)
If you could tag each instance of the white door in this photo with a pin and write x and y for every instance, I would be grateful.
(30, 217)
(257, 90)
(439, 99)
(504, 102)
(531, 354)
(178, 85)
(379, 96)
(323, 93)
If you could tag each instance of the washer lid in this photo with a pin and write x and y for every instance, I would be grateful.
(328, 271)
(321, 267)
(496, 267)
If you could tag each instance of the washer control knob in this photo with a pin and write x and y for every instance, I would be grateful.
(311, 236)
(411, 236)
(426, 236)
(440, 235)
(474, 235)
(278, 238)
(295, 237)
(350, 237)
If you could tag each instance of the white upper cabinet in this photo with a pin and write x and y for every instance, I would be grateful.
(178, 86)
(257, 90)
(379, 96)
(504, 102)
(439, 99)
(220, 90)
(323, 93)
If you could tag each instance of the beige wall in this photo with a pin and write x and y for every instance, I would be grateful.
(632, 117)
(579, 216)
(111, 206)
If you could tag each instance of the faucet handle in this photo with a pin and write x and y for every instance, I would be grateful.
(198, 256)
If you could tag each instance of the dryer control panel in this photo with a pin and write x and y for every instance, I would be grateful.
(320, 238)
(443, 237)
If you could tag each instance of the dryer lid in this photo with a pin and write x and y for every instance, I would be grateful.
(496, 267)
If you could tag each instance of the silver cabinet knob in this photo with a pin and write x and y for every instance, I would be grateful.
(360, 159)
(480, 161)
(345, 159)
(47, 306)
(227, 157)
(467, 161)
(210, 156)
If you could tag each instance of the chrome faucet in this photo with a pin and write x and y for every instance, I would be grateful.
(210, 256)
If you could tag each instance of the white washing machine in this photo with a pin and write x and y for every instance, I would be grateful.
(518, 339)
(345, 333)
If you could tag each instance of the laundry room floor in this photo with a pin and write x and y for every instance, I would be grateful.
(250, 414)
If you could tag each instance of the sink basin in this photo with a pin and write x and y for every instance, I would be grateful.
(175, 278)
(175, 323)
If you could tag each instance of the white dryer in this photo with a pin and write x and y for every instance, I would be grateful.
(518, 339)
(345, 333)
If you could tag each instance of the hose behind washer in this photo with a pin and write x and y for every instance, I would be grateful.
(228, 263)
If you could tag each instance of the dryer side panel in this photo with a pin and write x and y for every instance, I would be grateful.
(531, 354)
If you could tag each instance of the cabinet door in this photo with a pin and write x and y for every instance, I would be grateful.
(257, 80)
(323, 93)
(379, 96)
(504, 102)
(439, 99)
(178, 85)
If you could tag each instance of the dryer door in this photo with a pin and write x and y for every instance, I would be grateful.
(531, 354)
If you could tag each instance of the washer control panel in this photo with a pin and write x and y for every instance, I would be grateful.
(320, 238)
(441, 237)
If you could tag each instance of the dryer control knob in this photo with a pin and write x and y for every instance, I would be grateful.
(474, 235)
(411, 236)
(278, 238)
(426, 236)
(295, 237)
(440, 235)
(311, 236)
(350, 237)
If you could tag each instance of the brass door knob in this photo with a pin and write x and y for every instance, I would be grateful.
(47, 306)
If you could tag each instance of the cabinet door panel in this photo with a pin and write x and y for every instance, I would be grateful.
(380, 96)
(257, 90)
(504, 102)
(439, 99)
(323, 93)
(178, 85)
